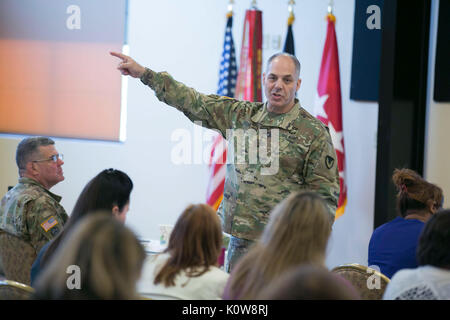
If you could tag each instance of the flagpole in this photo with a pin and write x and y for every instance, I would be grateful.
(254, 5)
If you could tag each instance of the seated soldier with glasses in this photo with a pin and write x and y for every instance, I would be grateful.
(29, 210)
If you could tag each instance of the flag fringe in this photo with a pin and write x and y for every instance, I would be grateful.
(340, 211)
(217, 203)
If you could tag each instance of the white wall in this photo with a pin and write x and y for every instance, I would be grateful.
(185, 38)
(437, 152)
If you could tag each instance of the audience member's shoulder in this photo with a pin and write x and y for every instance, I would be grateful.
(159, 258)
(392, 224)
(404, 275)
(220, 273)
(400, 281)
(215, 274)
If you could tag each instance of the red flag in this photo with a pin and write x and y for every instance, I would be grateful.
(328, 106)
(248, 85)
(217, 169)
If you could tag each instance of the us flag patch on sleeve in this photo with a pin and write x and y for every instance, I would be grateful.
(49, 223)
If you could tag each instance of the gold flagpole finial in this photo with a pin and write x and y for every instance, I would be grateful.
(291, 17)
(230, 8)
(254, 5)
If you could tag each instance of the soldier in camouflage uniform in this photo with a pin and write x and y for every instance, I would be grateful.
(300, 144)
(29, 210)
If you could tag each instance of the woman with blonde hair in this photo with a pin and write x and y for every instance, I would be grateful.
(393, 245)
(100, 258)
(297, 233)
(188, 267)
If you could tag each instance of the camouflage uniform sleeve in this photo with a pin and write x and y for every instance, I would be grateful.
(321, 171)
(43, 222)
(214, 111)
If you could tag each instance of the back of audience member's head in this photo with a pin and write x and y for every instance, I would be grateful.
(309, 282)
(415, 193)
(297, 233)
(194, 244)
(434, 242)
(109, 258)
(108, 191)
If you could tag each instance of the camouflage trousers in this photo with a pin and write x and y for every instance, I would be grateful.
(237, 248)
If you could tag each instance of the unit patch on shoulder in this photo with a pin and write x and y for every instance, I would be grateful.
(329, 161)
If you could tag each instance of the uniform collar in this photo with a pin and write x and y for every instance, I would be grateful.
(24, 180)
(283, 120)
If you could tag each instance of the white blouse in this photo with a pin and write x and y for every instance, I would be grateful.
(208, 286)
(422, 283)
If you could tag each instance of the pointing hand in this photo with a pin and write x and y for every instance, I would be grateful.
(128, 67)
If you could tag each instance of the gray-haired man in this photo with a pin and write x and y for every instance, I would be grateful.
(29, 210)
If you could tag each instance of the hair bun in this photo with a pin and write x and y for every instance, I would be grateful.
(404, 178)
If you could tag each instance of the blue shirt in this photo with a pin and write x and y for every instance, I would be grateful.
(393, 245)
(36, 267)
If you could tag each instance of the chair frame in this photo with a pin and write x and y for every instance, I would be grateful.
(362, 268)
(15, 290)
(365, 272)
(17, 285)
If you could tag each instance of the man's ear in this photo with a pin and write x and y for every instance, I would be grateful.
(264, 78)
(31, 168)
(299, 81)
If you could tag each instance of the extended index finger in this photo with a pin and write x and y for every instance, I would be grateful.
(118, 55)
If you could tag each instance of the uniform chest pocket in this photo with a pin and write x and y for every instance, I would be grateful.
(292, 155)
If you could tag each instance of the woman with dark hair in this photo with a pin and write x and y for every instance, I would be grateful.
(109, 191)
(393, 245)
(431, 280)
(188, 267)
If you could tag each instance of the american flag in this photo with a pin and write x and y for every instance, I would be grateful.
(227, 85)
(228, 68)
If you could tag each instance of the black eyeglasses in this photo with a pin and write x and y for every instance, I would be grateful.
(53, 158)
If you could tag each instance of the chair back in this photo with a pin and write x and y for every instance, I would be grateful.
(370, 283)
(13, 290)
(16, 257)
